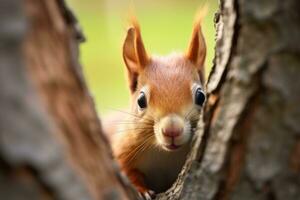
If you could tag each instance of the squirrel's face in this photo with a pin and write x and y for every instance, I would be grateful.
(167, 92)
(170, 93)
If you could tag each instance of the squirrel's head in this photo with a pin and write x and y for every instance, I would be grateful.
(168, 91)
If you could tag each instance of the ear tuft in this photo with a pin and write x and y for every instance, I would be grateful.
(134, 53)
(129, 54)
(139, 45)
(196, 52)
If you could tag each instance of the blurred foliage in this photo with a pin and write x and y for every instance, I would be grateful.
(166, 27)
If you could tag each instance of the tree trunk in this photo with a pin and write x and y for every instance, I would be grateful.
(248, 144)
(248, 139)
(46, 110)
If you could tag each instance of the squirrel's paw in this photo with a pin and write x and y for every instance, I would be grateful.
(148, 195)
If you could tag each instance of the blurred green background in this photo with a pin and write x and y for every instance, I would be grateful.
(166, 26)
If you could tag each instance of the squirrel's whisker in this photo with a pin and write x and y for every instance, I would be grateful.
(133, 115)
(137, 150)
(133, 129)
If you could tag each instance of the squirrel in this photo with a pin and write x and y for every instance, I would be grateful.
(167, 94)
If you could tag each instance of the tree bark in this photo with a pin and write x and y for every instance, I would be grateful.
(247, 145)
(52, 146)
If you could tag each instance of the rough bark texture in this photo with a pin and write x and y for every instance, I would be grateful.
(248, 141)
(51, 144)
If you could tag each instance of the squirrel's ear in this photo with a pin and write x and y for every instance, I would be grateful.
(134, 55)
(196, 52)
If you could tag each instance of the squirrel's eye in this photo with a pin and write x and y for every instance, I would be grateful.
(199, 97)
(142, 101)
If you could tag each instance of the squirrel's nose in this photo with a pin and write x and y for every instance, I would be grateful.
(172, 131)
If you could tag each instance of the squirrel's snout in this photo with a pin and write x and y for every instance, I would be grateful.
(172, 125)
(172, 131)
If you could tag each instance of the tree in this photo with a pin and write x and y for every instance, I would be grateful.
(51, 142)
(247, 144)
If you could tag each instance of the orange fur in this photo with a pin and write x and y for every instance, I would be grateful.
(140, 49)
(196, 52)
(137, 178)
(169, 82)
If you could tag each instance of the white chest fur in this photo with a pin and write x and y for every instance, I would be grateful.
(161, 167)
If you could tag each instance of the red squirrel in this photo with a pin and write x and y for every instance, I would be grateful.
(167, 93)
